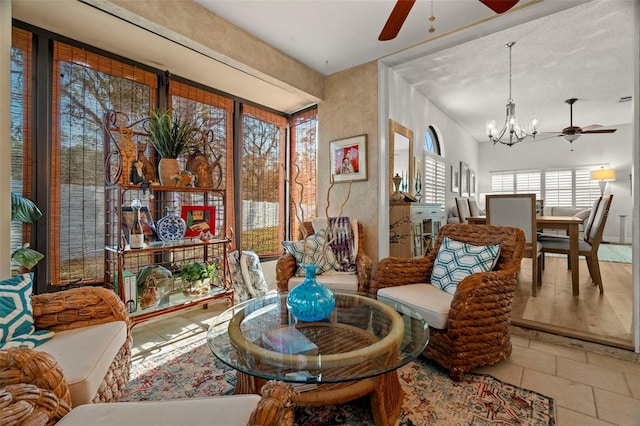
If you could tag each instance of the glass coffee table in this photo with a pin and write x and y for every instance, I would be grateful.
(353, 353)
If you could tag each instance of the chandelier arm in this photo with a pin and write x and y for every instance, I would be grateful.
(516, 133)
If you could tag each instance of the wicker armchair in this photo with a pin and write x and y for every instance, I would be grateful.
(477, 326)
(286, 264)
(66, 310)
(28, 404)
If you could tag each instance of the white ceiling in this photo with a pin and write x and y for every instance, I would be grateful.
(582, 50)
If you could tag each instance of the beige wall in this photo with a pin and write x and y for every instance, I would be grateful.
(350, 108)
(235, 46)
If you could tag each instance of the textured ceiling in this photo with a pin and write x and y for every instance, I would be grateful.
(581, 50)
(584, 52)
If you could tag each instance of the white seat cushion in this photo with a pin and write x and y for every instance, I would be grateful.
(332, 279)
(224, 410)
(85, 355)
(430, 302)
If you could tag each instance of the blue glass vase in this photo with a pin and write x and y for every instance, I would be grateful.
(311, 300)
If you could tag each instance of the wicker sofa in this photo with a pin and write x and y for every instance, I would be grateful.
(470, 328)
(28, 404)
(91, 345)
(286, 267)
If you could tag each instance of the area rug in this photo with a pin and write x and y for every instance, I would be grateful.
(431, 397)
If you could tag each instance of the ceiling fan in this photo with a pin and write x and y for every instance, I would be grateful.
(572, 132)
(403, 7)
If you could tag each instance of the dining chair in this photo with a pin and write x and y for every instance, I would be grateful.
(588, 246)
(463, 209)
(587, 227)
(519, 210)
(474, 210)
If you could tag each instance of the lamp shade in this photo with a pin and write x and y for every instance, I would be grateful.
(603, 174)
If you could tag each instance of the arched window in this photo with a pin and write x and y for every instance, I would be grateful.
(434, 168)
(431, 141)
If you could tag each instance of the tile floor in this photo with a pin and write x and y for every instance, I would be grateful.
(591, 384)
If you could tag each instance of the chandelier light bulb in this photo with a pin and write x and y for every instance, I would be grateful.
(511, 126)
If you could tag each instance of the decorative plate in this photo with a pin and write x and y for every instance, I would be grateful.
(171, 228)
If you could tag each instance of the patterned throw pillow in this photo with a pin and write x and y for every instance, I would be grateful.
(16, 314)
(456, 260)
(343, 240)
(316, 251)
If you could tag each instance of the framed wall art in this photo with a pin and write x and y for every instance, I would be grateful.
(455, 179)
(199, 219)
(464, 179)
(349, 159)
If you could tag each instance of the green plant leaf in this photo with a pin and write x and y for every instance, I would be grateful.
(171, 134)
(27, 257)
(23, 209)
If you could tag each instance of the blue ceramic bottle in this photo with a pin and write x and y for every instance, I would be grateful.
(311, 300)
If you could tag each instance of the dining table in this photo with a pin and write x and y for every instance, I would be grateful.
(571, 224)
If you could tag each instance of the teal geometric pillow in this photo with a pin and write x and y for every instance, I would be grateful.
(16, 314)
(317, 251)
(456, 260)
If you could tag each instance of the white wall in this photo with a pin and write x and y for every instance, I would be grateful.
(413, 110)
(614, 149)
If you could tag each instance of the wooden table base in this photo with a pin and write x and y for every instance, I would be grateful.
(384, 391)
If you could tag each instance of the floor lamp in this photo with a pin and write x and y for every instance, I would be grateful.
(603, 176)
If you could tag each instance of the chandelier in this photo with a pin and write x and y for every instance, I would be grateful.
(516, 133)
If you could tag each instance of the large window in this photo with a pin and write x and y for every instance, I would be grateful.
(434, 169)
(85, 88)
(20, 90)
(67, 177)
(263, 157)
(562, 188)
(303, 150)
(214, 114)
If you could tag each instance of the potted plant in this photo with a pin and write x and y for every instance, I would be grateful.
(197, 277)
(26, 211)
(171, 135)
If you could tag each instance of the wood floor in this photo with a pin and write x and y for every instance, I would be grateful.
(591, 316)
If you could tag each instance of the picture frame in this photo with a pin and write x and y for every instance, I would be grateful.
(464, 179)
(199, 219)
(349, 159)
(455, 179)
(149, 228)
(472, 183)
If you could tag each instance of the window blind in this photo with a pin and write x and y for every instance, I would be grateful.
(263, 153)
(303, 160)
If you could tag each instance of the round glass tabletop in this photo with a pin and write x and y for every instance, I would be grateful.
(365, 336)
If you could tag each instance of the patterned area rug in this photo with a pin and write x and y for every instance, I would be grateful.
(431, 397)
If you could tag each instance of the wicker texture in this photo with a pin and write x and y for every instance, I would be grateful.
(477, 332)
(276, 407)
(66, 310)
(30, 366)
(286, 265)
(28, 405)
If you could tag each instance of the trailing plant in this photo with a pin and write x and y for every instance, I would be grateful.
(25, 211)
(172, 134)
(194, 271)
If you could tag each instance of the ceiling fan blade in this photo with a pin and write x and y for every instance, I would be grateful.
(396, 19)
(598, 131)
(499, 6)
